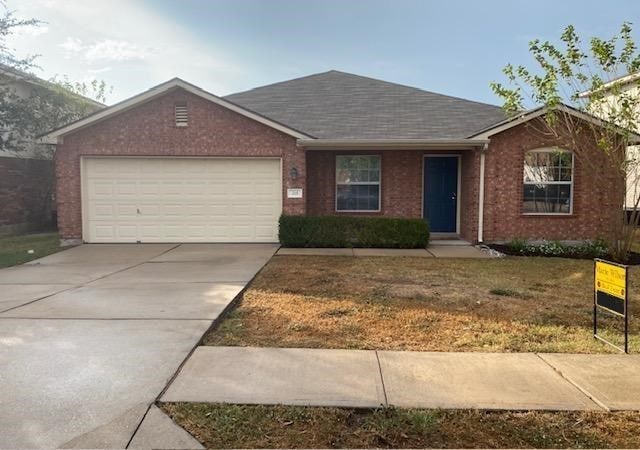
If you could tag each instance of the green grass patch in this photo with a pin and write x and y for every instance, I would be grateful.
(16, 249)
(240, 426)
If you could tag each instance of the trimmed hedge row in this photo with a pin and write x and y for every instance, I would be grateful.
(344, 231)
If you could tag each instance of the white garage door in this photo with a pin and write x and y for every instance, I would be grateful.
(181, 199)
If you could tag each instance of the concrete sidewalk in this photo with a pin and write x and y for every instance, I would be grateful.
(362, 378)
(90, 336)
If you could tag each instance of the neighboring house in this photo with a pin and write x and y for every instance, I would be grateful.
(27, 175)
(628, 85)
(178, 164)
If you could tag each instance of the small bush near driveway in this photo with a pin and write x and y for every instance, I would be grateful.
(512, 304)
(344, 231)
(237, 426)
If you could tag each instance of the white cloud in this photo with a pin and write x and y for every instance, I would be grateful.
(104, 50)
(140, 46)
(100, 70)
(72, 46)
(115, 51)
(32, 30)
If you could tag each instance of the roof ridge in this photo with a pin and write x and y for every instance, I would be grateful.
(281, 82)
(366, 78)
(414, 87)
(340, 104)
(51, 136)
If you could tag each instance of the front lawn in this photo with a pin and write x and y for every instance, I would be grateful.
(514, 304)
(234, 426)
(15, 249)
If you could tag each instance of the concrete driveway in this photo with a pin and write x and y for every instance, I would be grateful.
(89, 337)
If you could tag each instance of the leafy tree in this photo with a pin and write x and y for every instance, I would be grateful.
(586, 77)
(9, 24)
(30, 106)
(49, 105)
(46, 105)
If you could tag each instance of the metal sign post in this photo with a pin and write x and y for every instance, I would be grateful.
(610, 294)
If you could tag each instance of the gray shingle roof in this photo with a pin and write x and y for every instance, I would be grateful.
(339, 105)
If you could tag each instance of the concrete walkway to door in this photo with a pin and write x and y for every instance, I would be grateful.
(89, 337)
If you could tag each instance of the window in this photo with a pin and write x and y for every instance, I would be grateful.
(181, 115)
(358, 183)
(548, 182)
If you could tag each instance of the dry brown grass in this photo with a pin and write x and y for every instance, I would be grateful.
(235, 426)
(514, 304)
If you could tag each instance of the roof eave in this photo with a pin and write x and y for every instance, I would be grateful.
(620, 81)
(55, 136)
(391, 144)
(538, 112)
(39, 82)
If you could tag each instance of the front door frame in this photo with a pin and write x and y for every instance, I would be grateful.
(458, 187)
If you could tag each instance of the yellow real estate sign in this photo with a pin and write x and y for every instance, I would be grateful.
(611, 287)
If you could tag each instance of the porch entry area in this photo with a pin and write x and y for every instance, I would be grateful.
(441, 186)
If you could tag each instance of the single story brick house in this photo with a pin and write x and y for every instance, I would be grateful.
(179, 164)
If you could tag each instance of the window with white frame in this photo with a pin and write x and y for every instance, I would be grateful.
(548, 182)
(358, 183)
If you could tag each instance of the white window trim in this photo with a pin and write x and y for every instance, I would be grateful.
(356, 183)
(573, 162)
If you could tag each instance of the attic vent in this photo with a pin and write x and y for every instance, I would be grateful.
(181, 114)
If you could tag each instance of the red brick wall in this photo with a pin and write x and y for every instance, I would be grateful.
(593, 199)
(470, 168)
(26, 187)
(149, 130)
(503, 218)
(401, 185)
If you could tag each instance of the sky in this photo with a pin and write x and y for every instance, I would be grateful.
(454, 47)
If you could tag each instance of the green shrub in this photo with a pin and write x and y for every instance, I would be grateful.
(517, 245)
(549, 248)
(345, 231)
(593, 249)
(587, 249)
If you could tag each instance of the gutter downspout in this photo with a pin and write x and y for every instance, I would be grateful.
(481, 195)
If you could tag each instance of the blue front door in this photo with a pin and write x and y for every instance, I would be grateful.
(441, 193)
